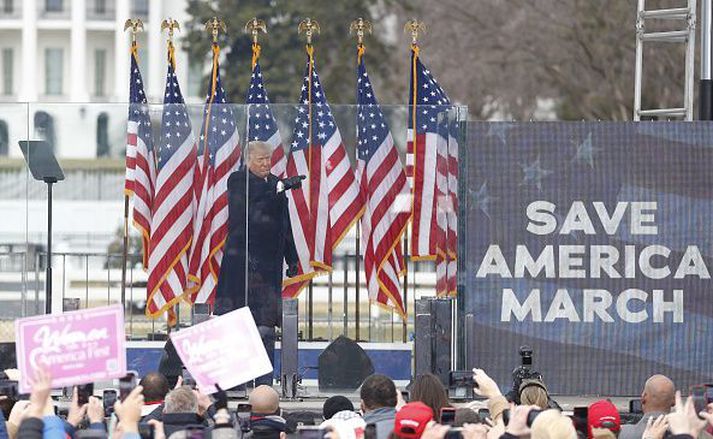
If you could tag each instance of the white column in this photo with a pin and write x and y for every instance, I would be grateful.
(79, 89)
(157, 51)
(28, 80)
(121, 52)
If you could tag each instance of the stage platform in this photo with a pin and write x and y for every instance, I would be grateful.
(390, 359)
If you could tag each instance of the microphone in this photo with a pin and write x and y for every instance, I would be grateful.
(290, 183)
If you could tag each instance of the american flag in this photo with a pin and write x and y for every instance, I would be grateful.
(452, 212)
(429, 169)
(383, 182)
(218, 155)
(172, 221)
(262, 124)
(140, 159)
(330, 201)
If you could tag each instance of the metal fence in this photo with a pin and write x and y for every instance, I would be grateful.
(332, 305)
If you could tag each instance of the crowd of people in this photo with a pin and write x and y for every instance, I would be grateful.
(154, 410)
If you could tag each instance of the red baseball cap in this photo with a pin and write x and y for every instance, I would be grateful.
(603, 414)
(412, 420)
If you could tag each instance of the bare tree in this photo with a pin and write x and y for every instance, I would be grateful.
(505, 57)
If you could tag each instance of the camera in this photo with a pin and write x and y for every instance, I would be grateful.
(523, 372)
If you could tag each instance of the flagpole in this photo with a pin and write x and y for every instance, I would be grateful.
(412, 26)
(309, 26)
(134, 25)
(358, 27)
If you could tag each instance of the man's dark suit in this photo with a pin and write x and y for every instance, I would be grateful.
(269, 242)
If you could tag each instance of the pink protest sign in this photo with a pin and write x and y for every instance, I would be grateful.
(76, 347)
(225, 350)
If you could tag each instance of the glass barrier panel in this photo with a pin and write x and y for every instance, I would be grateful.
(188, 162)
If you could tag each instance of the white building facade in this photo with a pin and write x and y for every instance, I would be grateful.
(70, 60)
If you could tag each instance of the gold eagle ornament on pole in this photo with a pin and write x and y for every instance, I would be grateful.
(360, 27)
(414, 27)
(308, 27)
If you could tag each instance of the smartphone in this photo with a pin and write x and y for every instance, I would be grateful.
(310, 432)
(405, 395)
(370, 431)
(635, 406)
(579, 419)
(448, 415)
(188, 379)
(698, 393)
(84, 391)
(484, 413)
(108, 399)
(127, 384)
(454, 433)
(243, 412)
(146, 430)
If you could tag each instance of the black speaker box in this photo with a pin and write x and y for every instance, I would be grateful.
(343, 366)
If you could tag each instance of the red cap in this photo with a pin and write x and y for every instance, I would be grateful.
(412, 420)
(603, 414)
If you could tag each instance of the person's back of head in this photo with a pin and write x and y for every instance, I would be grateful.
(377, 391)
(466, 415)
(603, 415)
(428, 389)
(335, 404)
(412, 420)
(264, 400)
(658, 395)
(155, 387)
(534, 392)
(181, 400)
(552, 424)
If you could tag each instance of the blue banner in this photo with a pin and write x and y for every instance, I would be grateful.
(591, 243)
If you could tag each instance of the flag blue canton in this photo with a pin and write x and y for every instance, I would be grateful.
(430, 99)
(139, 111)
(221, 125)
(261, 122)
(323, 126)
(371, 125)
(176, 128)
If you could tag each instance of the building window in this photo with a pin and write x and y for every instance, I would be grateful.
(195, 76)
(4, 139)
(53, 71)
(100, 7)
(54, 6)
(44, 128)
(103, 148)
(140, 7)
(8, 6)
(99, 71)
(7, 70)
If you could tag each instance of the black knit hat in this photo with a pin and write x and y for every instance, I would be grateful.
(336, 404)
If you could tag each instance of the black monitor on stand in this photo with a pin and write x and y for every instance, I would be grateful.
(44, 167)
